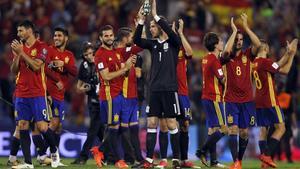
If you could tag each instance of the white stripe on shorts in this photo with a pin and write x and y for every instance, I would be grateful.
(177, 103)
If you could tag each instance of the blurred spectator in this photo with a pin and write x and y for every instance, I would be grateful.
(60, 16)
(5, 82)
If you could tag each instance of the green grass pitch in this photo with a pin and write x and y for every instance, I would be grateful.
(247, 164)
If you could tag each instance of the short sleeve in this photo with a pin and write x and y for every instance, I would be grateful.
(43, 52)
(217, 68)
(270, 66)
(101, 62)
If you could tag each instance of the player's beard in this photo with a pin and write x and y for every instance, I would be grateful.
(109, 45)
(129, 44)
(61, 44)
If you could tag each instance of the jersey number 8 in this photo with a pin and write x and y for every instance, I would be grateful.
(238, 71)
(257, 80)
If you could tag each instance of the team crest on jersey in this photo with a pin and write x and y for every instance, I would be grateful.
(204, 61)
(67, 59)
(109, 58)
(116, 118)
(33, 52)
(244, 59)
(118, 56)
(166, 47)
(230, 119)
(85, 65)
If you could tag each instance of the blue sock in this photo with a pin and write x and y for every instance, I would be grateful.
(25, 145)
(262, 146)
(50, 138)
(14, 146)
(115, 140)
(39, 143)
(233, 142)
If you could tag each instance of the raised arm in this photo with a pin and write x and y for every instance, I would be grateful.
(254, 39)
(186, 45)
(174, 39)
(225, 58)
(289, 54)
(137, 37)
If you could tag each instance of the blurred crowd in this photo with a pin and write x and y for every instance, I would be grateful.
(275, 21)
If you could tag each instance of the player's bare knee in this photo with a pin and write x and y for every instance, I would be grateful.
(243, 133)
(42, 126)
(280, 128)
(152, 122)
(223, 129)
(23, 125)
(233, 130)
(263, 133)
(184, 127)
(163, 125)
(210, 131)
(172, 124)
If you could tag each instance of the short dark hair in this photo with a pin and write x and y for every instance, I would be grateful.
(87, 45)
(123, 32)
(210, 40)
(63, 30)
(163, 18)
(37, 33)
(27, 24)
(105, 28)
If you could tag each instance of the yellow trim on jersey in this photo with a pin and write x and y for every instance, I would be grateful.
(217, 90)
(43, 77)
(225, 83)
(125, 87)
(271, 90)
(48, 107)
(109, 104)
(279, 114)
(219, 113)
(17, 77)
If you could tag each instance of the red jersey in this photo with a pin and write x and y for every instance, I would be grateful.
(264, 70)
(129, 89)
(110, 59)
(181, 72)
(62, 73)
(31, 83)
(211, 73)
(238, 86)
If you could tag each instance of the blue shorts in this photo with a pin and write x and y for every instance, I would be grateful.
(58, 109)
(269, 116)
(185, 108)
(214, 113)
(241, 114)
(130, 112)
(34, 108)
(110, 110)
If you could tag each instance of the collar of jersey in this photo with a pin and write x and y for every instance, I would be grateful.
(159, 41)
